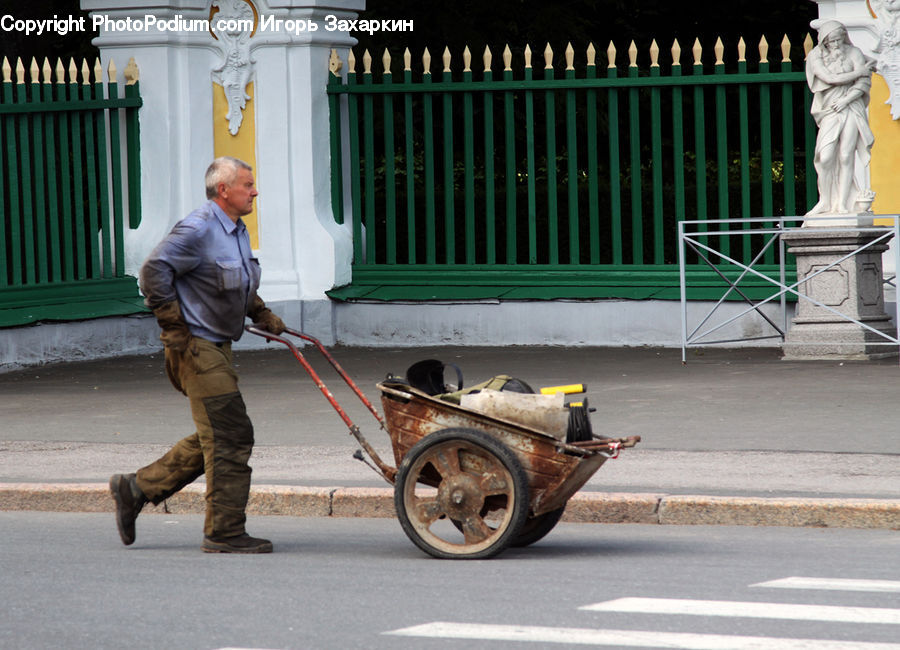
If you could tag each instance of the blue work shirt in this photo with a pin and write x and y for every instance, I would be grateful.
(207, 265)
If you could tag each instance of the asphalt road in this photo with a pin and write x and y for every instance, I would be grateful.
(359, 583)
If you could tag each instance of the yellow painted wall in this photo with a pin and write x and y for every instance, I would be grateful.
(885, 165)
(241, 146)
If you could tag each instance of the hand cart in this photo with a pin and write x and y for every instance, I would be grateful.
(466, 485)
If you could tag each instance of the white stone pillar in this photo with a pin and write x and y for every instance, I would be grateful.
(302, 251)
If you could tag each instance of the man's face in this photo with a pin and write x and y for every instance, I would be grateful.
(834, 40)
(237, 198)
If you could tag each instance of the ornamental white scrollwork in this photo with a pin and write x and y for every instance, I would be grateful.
(887, 50)
(233, 26)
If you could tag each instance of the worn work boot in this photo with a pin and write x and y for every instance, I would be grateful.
(238, 544)
(129, 501)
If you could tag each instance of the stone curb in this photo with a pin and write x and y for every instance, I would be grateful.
(587, 507)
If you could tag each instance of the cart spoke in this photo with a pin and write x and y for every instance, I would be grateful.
(476, 530)
(446, 461)
(428, 511)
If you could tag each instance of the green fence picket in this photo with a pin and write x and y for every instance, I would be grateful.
(509, 126)
(552, 208)
(530, 169)
(490, 212)
(591, 117)
(572, 171)
(449, 173)
(24, 161)
(410, 154)
(744, 138)
(469, 169)
(50, 148)
(390, 173)
(656, 167)
(615, 178)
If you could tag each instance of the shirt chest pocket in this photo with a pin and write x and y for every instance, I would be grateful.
(229, 273)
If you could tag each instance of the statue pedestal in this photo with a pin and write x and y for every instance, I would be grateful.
(854, 288)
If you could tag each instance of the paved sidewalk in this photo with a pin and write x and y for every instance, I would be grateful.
(733, 436)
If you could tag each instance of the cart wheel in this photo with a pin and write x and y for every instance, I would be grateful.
(481, 500)
(536, 528)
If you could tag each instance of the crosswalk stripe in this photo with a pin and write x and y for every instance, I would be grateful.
(749, 610)
(833, 584)
(626, 638)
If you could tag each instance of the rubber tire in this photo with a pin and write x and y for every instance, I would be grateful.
(493, 447)
(536, 528)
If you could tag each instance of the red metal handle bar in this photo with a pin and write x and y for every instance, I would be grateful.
(312, 373)
(339, 370)
(387, 471)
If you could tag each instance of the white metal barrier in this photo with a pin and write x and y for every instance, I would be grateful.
(771, 229)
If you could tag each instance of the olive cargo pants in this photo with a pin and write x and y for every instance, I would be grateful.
(220, 447)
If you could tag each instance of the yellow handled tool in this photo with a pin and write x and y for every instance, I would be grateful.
(569, 389)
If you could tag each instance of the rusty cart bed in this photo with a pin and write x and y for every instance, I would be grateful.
(466, 484)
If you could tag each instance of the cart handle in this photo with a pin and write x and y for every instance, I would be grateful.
(253, 329)
(387, 471)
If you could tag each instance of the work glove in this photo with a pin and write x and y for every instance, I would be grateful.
(264, 318)
(175, 333)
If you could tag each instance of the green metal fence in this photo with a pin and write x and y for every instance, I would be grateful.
(69, 187)
(555, 183)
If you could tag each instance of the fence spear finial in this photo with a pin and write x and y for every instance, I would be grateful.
(351, 61)
(426, 61)
(785, 49)
(676, 53)
(386, 61)
(98, 71)
(60, 71)
(467, 60)
(548, 57)
(697, 51)
(763, 50)
(507, 59)
(46, 70)
(111, 72)
(367, 62)
(570, 57)
(35, 71)
(487, 58)
(20, 71)
(654, 54)
(807, 45)
(719, 49)
(85, 73)
(407, 60)
(73, 71)
(527, 57)
(446, 58)
(632, 55)
(591, 55)
(611, 55)
(7, 71)
(742, 50)
(334, 63)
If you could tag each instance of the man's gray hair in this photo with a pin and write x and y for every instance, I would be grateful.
(223, 170)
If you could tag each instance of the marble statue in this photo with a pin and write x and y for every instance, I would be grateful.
(840, 77)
